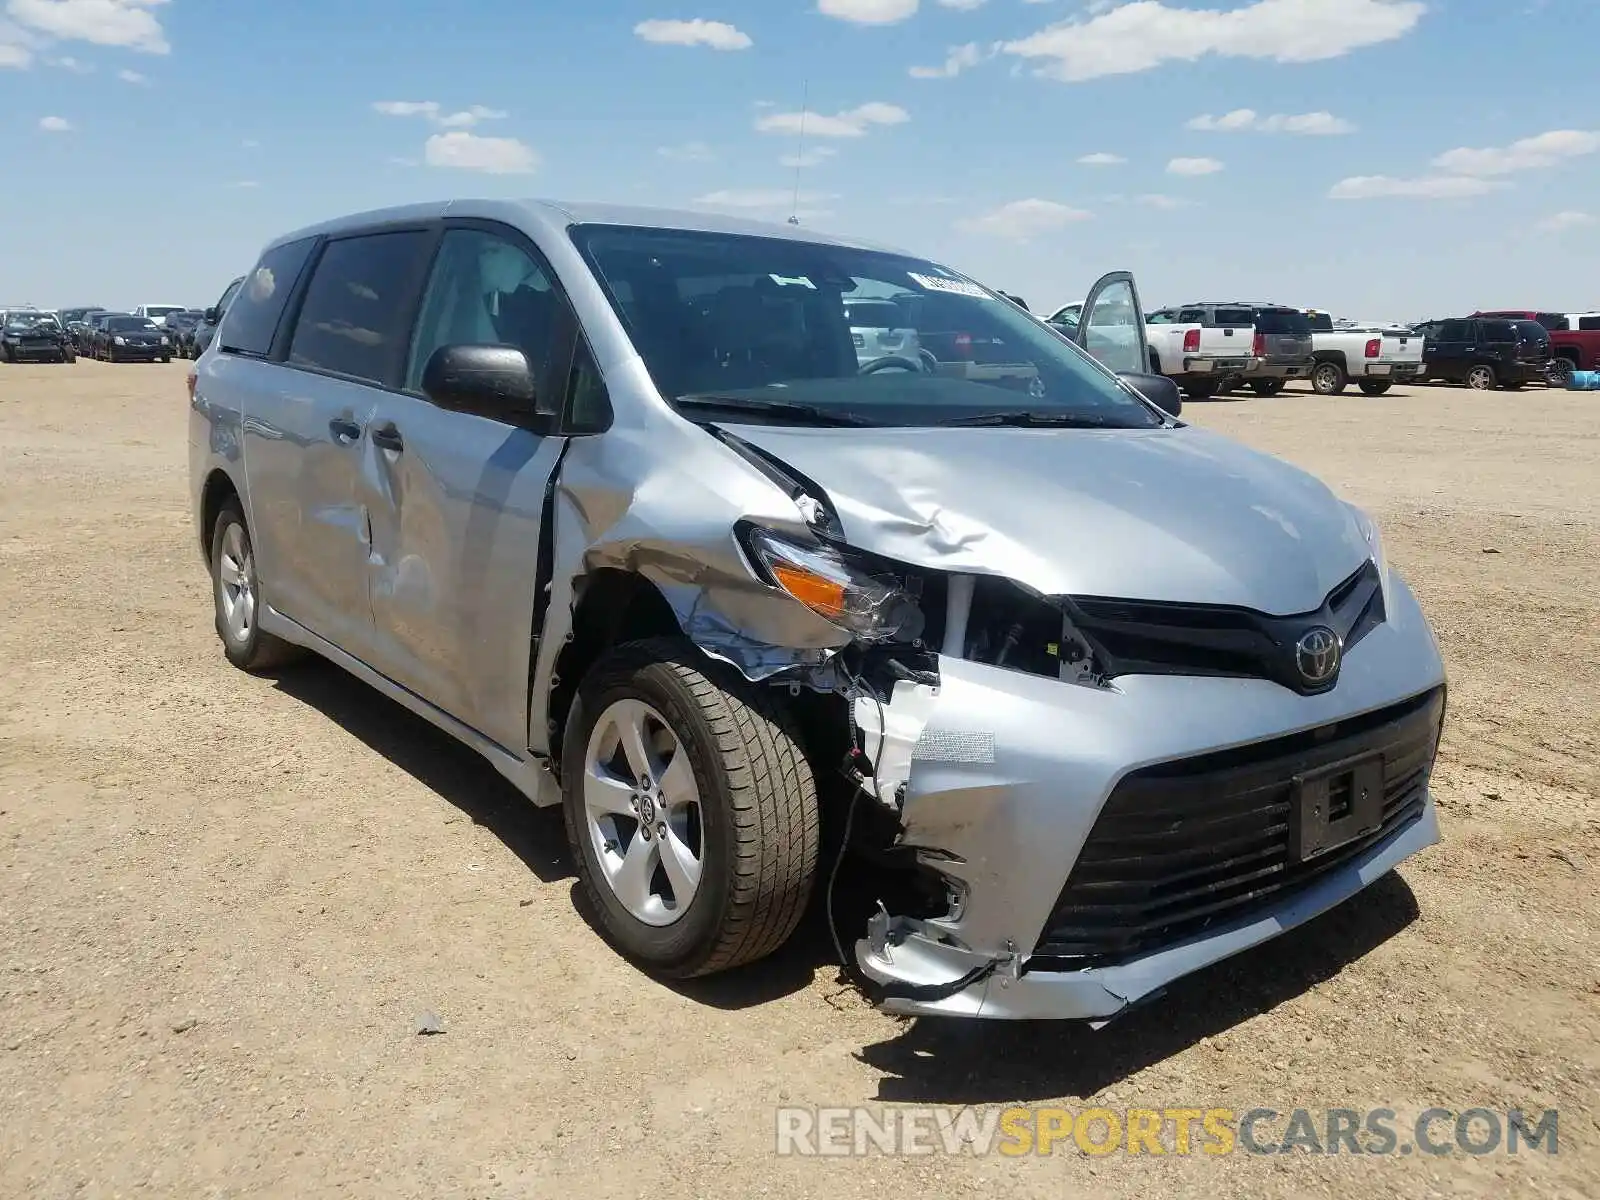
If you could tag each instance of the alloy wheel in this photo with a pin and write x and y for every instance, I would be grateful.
(642, 808)
(236, 584)
(1480, 379)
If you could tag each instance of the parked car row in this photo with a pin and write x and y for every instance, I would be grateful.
(1208, 348)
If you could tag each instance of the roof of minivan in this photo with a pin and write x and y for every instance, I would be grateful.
(555, 216)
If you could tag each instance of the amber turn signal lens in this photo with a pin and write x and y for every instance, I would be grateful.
(814, 591)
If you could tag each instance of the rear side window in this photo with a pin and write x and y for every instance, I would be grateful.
(252, 318)
(1532, 331)
(1235, 316)
(1455, 331)
(1498, 331)
(357, 311)
(1282, 320)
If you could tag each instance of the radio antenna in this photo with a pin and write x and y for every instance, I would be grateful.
(800, 151)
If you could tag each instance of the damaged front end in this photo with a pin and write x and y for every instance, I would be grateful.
(1090, 798)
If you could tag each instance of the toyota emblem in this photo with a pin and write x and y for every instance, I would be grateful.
(1317, 655)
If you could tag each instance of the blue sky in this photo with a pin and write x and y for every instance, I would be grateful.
(1386, 159)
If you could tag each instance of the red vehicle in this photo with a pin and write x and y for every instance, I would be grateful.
(1574, 340)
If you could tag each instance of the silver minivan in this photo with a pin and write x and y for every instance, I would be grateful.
(611, 496)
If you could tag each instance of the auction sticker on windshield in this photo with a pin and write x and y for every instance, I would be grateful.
(956, 287)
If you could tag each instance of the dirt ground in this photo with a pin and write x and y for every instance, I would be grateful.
(226, 900)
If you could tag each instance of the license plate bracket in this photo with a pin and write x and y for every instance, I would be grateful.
(1334, 805)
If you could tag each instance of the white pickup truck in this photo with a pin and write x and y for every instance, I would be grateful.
(1198, 353)
(1374, 356)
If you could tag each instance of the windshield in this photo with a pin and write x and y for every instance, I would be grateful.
(162, 310)
(875, 337)
(26, 320)
(124, 324)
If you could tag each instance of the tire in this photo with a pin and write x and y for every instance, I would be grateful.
(111, 355)
(69, 356)
(1267, 387)
(1482, 379)
(246, 646)
(166, 358)
(1558, 373)
(755, 802)
(1328, 379)
(1374, 387)
(1200, 391)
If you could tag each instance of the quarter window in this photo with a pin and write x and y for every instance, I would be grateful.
(252, 316)
(357, 305)
(485, 291)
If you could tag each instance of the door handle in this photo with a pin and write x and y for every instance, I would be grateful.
(344, 430)
(387, 437)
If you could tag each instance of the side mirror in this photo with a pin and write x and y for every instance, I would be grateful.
(1157, 389)
(487, 381)
(212, 316)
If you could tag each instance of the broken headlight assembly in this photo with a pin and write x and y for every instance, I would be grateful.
(872, 605)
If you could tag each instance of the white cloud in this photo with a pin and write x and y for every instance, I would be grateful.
(1193, 166)
(1247, 120)
(718, 35)
(16, 45)
(852, 123)
(811, 157)
(1023, 219)
(434, 112)
(55, 124)
(1432, 187)
(1570, 219)
(470, 152)
(868, 12)
(132, 77)
(1144, 34)
(1102, 159)
(130, 23)
(957, 61)
(1529, 154)
(72, 64)
(1156, 200)
(688, 152)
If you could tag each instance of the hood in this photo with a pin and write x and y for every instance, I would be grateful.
(1179, 515)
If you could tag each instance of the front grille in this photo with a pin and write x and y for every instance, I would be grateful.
(1142, 637)
(1183, 846)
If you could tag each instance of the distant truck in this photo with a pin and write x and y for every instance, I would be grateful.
(1200, 346)
(158, 312)
(1574, 340)
(1375, 357)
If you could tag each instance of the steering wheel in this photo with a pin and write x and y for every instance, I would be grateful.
(891, 362)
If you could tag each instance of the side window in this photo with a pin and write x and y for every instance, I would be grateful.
(485, 291)
(1455, 331)
(1191, 316)
(227, 297)
(588, 402)
(1498, 331)
(252, 317)
(357, 305)
(1589, 324)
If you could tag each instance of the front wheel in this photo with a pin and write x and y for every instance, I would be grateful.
(1328, 379)
(690, 809)
(1482, 379)
(1374, 387)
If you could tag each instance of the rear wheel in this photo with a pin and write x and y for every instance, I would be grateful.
(1267, 387)
(690, 809)
(1328, 379)
(236, 595)
(1558, 372)
(1482, 379)
(1374, 387)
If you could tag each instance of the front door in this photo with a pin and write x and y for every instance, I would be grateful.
(1111, 327)
(456, 501)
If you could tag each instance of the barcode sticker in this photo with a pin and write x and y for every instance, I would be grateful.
(956, 287)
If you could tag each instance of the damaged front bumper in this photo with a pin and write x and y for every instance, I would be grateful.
(1011, 774)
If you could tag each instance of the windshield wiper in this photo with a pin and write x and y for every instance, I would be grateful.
(778, 408)
(1028, 418)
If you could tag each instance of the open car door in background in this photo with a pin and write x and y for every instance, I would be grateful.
(1111, 325)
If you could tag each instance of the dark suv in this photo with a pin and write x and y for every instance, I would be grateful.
(1485, 352)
